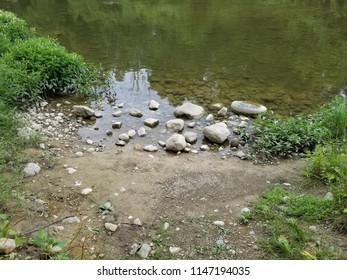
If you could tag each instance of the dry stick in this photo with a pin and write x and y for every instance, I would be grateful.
(46, 226)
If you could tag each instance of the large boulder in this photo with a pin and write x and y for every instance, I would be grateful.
(217, 133)
(83, 111)
(176, 143)
(176, 125)
(189, 110)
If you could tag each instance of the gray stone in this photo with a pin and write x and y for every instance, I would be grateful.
(31, 169)
(222, 112)
(124, 137)
(7, 245)
(55, 250)
(117, 114)
(142, 132)
(176, 143)
(174, 250)
(189, 110)
(137, 222)
(241, 155)
(162, 144)
(71, 170)
(216, 106)
(89, 141)
(134, 248)
(120, 105)
(204, 147)
(121, 143)
(111, 227)
(144, 251)
(245, 211)
(166, 226)
(190, 137)
(217, 133)
(191, 124)
(116, 125)
(86, 191)
(150, 148)
(209, 118)
(131, 133)
(109, 133)
(71, 220)
(329, 196)
(151, 122)
(79, 154)
(235, 142)
(135, 113)
(175, 125)
(83, 111)
(153, 105)
(219, 223)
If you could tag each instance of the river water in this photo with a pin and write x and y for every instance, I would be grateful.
(289, 55)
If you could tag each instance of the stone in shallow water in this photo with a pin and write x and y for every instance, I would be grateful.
(176, 143)
(116, 125)
(153, 105)
(176, 125)
(83, 111)
(189, 110)
(151, 122)
(142, 132)
(135, 113)
(190, 137)
(217, 133)
(247, 108)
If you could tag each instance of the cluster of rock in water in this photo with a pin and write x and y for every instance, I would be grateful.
(216, 132)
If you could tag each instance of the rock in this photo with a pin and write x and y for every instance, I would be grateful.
(153, 105)
(190, 137)
(121, 143)
(137, 222)
(247, 108)
(176, 125)
(98, 115)
(55, 250)
(117, 114)
(209, 118)
(216, 106)
(222, 112)
(329, 196)
(131, 133)
(7, 245)
(312, 228)
(111, 227)
(135, 113)
(151, 122)
(124, 137)
(219, 223)
(120, 105)
(176, 143)
(142, 132)
(79, 154)
(86, 191)
(191, 124)
(166, 226)
(162, 144)
(241, 155)
(150, 148)
(89, 141)
(217, 133)
(116, 125)
(109, 133)
(144, 251)
(42, 146)
(174, 250)
(245, 211)
(134, 248)
(189, 110)
(71, 170)
(71, 220)
(83, 111)
(204, 147)
(31, 169)
(235, 142)
(138, 147)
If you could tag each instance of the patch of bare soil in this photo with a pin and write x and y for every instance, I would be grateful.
(199, 197)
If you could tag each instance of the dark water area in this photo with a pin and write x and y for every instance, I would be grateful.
(289, 55)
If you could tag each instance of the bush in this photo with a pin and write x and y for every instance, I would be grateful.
(12, 29)
(41, 66)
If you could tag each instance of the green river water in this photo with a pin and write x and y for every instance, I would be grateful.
(289, 55)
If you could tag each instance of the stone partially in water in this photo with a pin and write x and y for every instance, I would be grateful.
(124, 137)
(190, 111)
(116, 125)
(153, 105)
(190, 137)
(151, 122)
(217, 133)
(175, 125)
(142, 132)
(83, 111)
(176, 143)
(247, 108)
(135, 113)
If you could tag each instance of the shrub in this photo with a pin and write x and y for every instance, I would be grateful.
(12, 29)
(41, 66)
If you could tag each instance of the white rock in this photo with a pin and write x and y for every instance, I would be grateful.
(204, 147)
(153, 105)
(329, 196)
(245, 211)
(86, 191)
(131, 133)
(190, 137)
(161, 143)
(219, 223)
(42, 146)
(166, 226)
(117, 114)
(134, 248)
(124, 137)
(144, 251)
(150, 148)
(176, 143)
(217, 133)
(241, 155)
(89, 141)
(120, 105)
(55, 250)
(176, 125)
(121, 143)
(151, 122)
(83, 111)
(209, 118)
(174, 250)
(189, 110)
(79, 154)
(222, 112)
(116, 125)
(191, 124)
(135, 113)
(31, 169)
(71, 220)
(71, 170)
(137, 222)
(7, 245)
(111, 227)
(142, 132)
